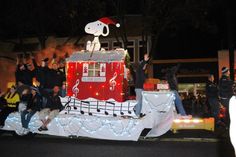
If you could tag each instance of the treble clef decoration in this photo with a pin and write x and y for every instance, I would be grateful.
(75, 89)
(112, 82)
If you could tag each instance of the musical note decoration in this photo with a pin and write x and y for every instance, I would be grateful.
(106, 113)
(75, 88)
(98, 109)
(88, 104)
(128, 108)
(81, 109)
(90, 113)
(121, 111)
(75, 108)
(112, 82)
(67, 106)
(112, 103)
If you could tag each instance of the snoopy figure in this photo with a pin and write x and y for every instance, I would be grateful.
(97, 28)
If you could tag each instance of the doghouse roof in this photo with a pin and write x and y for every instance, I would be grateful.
(98, 56)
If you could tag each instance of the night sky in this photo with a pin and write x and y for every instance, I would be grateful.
(200, 29)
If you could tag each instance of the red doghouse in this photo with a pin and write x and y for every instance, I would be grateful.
(99, 75)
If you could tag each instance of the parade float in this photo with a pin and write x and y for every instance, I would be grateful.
(97, 103)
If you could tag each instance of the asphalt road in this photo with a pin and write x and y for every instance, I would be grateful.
(184, 144)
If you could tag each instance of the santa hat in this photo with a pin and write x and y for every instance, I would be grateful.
(224, 70)
(107, 21)
(36, 89)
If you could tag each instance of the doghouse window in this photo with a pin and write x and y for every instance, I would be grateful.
(94, 72)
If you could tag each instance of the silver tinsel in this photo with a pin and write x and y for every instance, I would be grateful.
(98, 56)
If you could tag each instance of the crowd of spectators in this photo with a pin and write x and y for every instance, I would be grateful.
(215, 102)
(197, 106)
(37, 89)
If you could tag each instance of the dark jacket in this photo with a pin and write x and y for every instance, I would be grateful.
(225, 87)
(140, 76)
(55, 78)
(211, 90)
(25, 76)
(25, 98)
(62, 71)
(3, 102)
(54, 102)
(42, 74)
(34, 103)
(21, 88)
(51, 101)
(171, 78)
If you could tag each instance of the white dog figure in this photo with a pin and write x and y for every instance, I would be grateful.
(232, 111)
(97, 28)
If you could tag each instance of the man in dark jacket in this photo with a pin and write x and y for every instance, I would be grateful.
(56, 77)
(225, 91)
(212, 96)
(23, 74)
(42, 73)
(34, 103)
(139, 81)
(52, 109)
(173, 85)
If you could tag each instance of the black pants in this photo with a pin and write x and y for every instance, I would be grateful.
(225, 103)
(4, 113)
(215, 107)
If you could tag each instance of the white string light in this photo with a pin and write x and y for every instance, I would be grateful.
(95, 126)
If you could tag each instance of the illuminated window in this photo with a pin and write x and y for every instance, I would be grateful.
(94, 70)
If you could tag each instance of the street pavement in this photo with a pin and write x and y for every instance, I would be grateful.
(194, 143)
